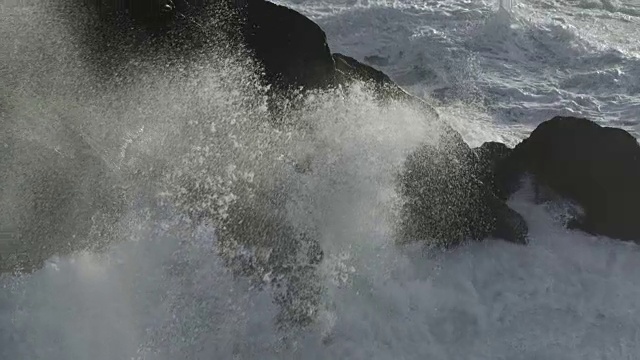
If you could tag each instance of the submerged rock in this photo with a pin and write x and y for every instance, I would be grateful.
(597, 167)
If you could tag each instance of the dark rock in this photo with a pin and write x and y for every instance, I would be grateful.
(292, 48)
(449, 190)
(121, 38)
(446, 203)
(507, 223)
(294, 53)
(490, 155)
(597, 167)
(444, 196)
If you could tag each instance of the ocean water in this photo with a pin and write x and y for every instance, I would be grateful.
(162, 289)
(519, 68)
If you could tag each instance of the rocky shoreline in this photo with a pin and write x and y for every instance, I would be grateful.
(597, 167)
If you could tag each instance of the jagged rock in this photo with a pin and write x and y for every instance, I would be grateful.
(446, 203)
(490, 155)
(445, 199)
(119, 39)
(597, 167)
(294, 53)
(292, 48)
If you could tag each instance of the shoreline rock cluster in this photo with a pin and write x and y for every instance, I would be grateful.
(451, 192)
(597, 167)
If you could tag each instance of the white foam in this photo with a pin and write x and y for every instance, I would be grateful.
(566, 295)
(468, 52)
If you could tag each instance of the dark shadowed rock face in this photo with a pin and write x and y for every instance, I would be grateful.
(294, 53)
(598, 167)
(123, 38)
(145, 11)
(292, 48)
(445, 200)
(446, 203)
(489, 156)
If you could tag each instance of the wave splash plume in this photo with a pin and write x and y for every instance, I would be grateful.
(202, 226)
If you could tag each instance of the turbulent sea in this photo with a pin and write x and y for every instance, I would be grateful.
(161, 290)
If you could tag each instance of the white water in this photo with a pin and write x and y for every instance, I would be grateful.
(162, 292)
(544, 58)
